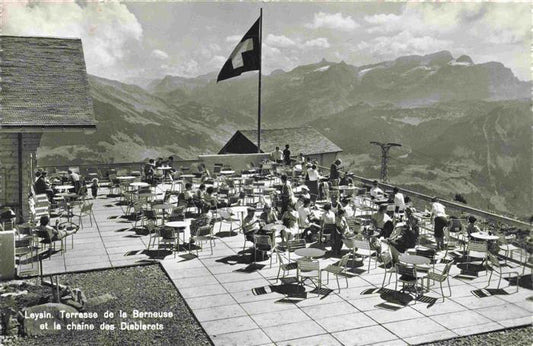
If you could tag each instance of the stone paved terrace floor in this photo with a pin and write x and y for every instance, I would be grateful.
(218, 289)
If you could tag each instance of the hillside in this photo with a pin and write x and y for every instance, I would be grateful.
(479, 149)
(134, 125)
(465, 127)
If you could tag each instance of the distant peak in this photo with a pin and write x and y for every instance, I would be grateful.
(465, 59)
(324, 61)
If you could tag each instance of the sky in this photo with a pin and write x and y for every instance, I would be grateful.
(134, 41)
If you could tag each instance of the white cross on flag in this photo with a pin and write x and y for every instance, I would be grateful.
(245, 57)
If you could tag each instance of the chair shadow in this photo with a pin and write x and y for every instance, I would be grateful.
(226, 234)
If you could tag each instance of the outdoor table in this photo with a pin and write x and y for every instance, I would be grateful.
(484, 236)
(272, 228)
(126, 177)
(187, 177)
(310, 252)
(178, 225)
(164, 207)
(227, 172)
(64, 187)
(414, 259)
(139, 184)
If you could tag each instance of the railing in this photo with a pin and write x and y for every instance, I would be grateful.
(490, 216)
(103, 169)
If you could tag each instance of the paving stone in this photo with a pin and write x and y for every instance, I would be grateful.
(503, 312)
(332, 309)
(414, 327)
(218, 312)
(229, 325)
(441, 335)
(365, 336)
(244, 338)
(477, 328)
(293, 331)
(276, 318)
(345, 322)
(384, 315)
(460, 319)
(211, 301)
(322, 340)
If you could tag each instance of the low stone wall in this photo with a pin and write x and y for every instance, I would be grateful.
(237, 162)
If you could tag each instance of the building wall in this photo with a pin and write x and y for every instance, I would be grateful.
(9, 168)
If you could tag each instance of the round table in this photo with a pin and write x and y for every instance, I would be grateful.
(227, 172)
(414, 259)
(310, 252)
(64, 187)
(484, 236)
(139, 184)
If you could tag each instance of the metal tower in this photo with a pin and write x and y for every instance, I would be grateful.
(385, 157)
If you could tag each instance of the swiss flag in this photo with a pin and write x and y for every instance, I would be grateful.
(245, 57)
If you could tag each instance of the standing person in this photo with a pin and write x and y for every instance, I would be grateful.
(149, 170)
(334, 172)
(286, 193)
(313, 177)
(277, 155)
(94, 188)
(440, 220)
(75, 179)
(399, 201)
(287, 155)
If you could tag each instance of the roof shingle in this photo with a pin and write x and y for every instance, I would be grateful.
(43, 83)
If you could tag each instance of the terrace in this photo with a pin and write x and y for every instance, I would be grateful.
(240, 298)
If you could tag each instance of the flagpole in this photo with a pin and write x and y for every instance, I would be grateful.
(259, 84)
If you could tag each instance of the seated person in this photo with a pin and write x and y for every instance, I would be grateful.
(290, 221)
(404, 240)
(307, 221)
(204, 220)
(328, 220)
(382, 222)
(211, 200)
(250, 224)
(472, 227)
(52, 233)
(337, 235)
(41, 186)
(376, 192)
(268, 215)
(412, 221)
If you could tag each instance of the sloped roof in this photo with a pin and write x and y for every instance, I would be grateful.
(43, 84)
(304, 140)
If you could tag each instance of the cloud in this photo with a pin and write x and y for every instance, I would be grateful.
(233, 38)
(159, 54)
(107, 31)
(320, 42)
(332, 21)
(279, 41)
(404, 43)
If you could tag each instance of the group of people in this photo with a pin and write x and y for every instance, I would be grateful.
(42, 184)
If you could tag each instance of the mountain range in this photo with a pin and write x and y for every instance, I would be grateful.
(464, 127)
